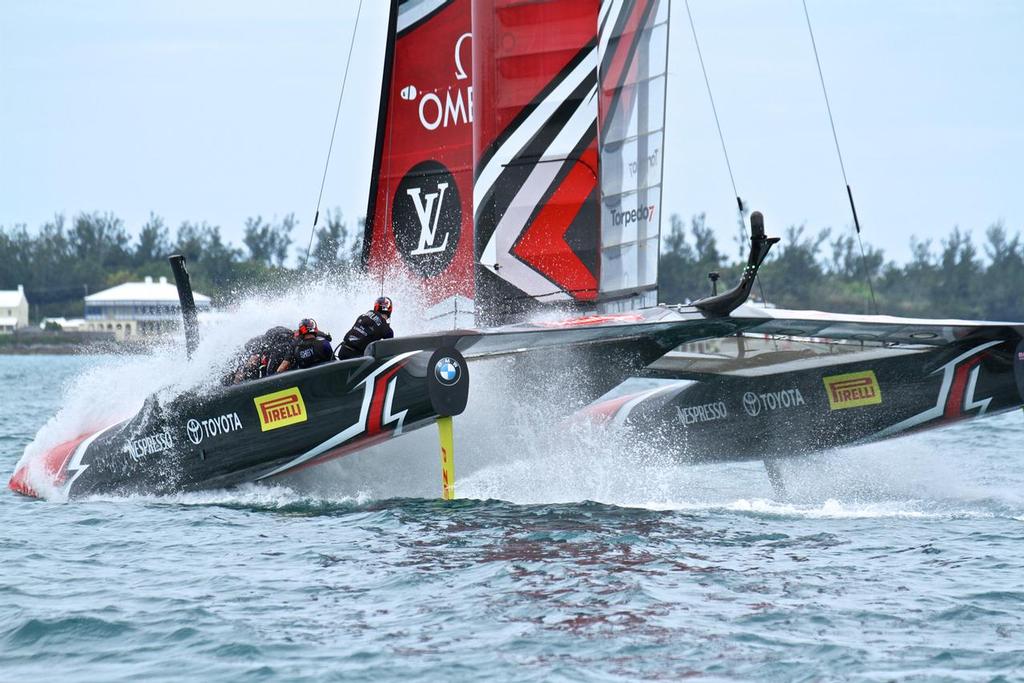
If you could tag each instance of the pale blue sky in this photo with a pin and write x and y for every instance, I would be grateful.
(221, 110)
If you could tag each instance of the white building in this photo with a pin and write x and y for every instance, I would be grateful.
(66, 324)
(13, 310)
(137, 309)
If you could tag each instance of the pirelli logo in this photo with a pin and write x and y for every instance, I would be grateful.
(280, 409)
(853, 390)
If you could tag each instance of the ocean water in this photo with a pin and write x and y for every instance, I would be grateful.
(569, 558)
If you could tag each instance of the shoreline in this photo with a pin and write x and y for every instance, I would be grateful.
(57, 350)
(69, 348)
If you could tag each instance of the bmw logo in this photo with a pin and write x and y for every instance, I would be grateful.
(448, 371)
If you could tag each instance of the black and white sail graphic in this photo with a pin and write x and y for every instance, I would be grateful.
(633, 54)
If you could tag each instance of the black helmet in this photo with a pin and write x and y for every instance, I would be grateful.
(307, 326)
(383, 306)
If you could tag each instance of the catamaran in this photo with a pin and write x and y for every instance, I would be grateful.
(519, 168)
(517, 178)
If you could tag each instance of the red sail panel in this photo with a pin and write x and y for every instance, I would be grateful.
(535, 149)
(420, 214)
(545, 244)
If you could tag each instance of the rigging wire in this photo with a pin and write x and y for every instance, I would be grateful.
(334, 131)
(714, 110)
(839, 153)
(721, 137)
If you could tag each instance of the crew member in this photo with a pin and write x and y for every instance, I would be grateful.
(370, 327)
(311, 347)
(277, 346)
(261, 355)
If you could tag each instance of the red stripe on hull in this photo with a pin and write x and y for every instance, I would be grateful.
(374, 429)
(605, 412)
(52, 465)
(380, 390)
(954, 408)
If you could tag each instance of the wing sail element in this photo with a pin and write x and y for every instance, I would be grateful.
(568, 146)
(633, 54)
(536, 157)
(420, 214)
(519, 154)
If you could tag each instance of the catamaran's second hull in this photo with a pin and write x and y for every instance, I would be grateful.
(763, 410)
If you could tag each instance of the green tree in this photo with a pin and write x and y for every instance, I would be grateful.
(266, 242)
(1002, 281)
(336, 249)
(99, 240)
(793, 269)
(189, 241)
(18, 253)
(153, 243)
(213, 262)
(684, 268)
(219, 258)
(330, 239)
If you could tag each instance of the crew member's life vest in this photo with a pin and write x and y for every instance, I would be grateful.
(369, 327)
(307, 352)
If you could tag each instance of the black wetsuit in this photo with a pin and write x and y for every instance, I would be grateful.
(370, 327)
(276, 346)
(261, 355)
(311, 350)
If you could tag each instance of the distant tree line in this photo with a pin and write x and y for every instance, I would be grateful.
(62, 262)
(948, 277)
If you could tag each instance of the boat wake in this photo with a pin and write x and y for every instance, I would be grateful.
(534, 460)
(912, 477)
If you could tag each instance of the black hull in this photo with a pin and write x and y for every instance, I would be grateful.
(253, 431)
(722, 417)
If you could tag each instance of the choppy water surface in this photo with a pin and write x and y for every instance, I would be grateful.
(562, 562)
